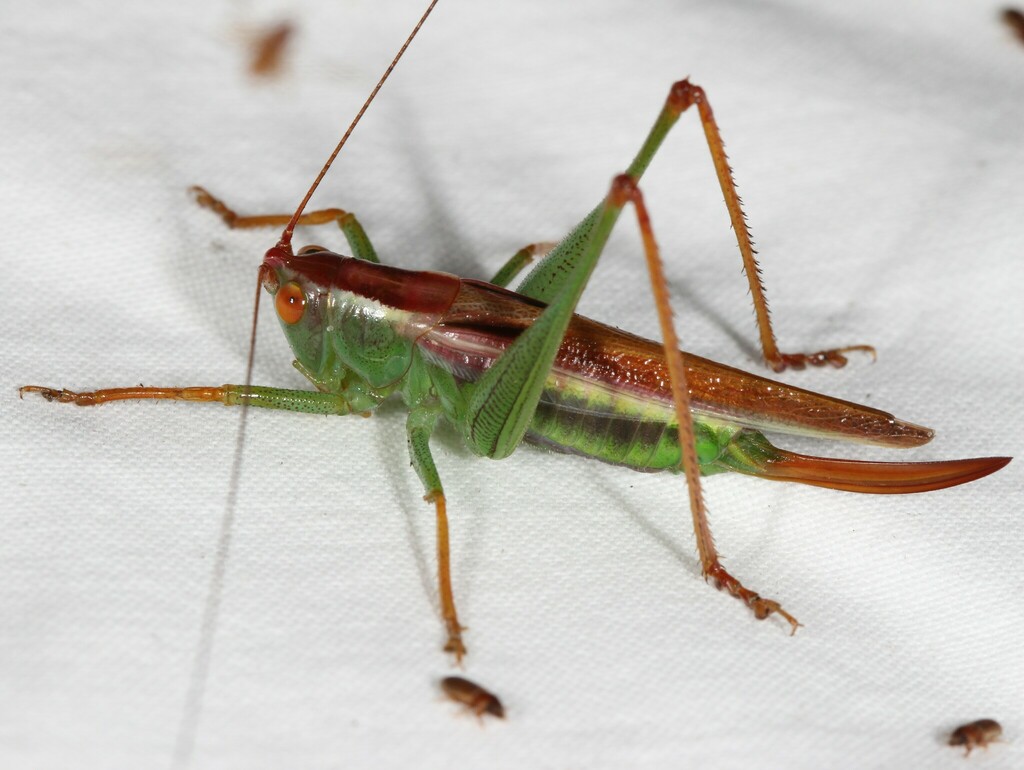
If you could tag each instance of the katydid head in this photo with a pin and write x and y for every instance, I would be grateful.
(346, 315)
(300, 303)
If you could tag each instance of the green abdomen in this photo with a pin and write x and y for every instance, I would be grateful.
(640, 434)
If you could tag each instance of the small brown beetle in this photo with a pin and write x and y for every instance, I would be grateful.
(476, 698)
(975, 734)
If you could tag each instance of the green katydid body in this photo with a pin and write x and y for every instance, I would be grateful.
(505, 367)
(368, 332)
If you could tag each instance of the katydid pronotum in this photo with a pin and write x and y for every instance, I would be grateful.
(505, 367)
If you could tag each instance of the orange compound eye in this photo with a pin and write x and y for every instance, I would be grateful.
(290, 303)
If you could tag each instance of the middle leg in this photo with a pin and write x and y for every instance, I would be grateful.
(419, 426)
(519, 260)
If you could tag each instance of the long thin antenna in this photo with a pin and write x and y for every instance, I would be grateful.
(286, 237)
(188, 727)
(186, 739)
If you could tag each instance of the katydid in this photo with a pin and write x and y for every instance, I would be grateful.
(505, 367)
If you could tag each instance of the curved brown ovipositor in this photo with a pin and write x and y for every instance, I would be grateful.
(877, 477)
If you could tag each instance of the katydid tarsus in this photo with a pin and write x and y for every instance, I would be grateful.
(505, 367)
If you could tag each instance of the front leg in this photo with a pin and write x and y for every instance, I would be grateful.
(308, 401)
(420, 425)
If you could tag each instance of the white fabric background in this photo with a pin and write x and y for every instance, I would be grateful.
(879, 148)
